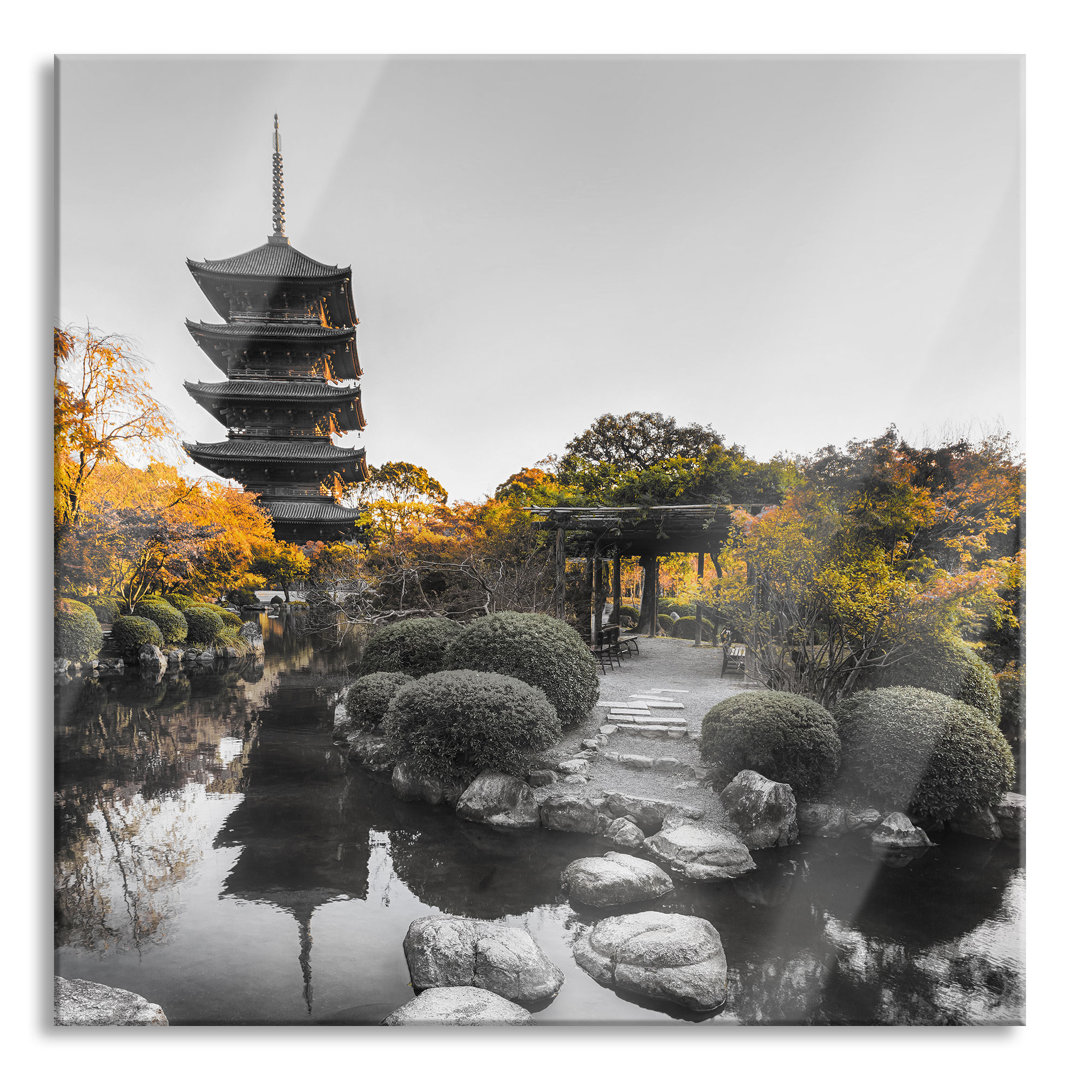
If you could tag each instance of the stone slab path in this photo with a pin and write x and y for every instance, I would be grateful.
(665, 734)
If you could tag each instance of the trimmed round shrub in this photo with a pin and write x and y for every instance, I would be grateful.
(415, 646)
(76, 633)
(785, 737)
(231, 620)
(179, 601)
(453, 725)
(131, 631)
(205, 625)
(668, 605)
(105, 608)
(911, 749)
(666, 624)
(687, 628)
(947, 666)
(243, 598)
(626, 611)
(367, 700)
(538, 649)
(170, 622)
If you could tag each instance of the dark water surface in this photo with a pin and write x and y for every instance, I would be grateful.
(216, 854)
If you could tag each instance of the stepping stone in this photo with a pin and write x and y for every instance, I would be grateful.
(671, 721)
(666, 705)
(653, 731)
(666, 690)
(649, 697)
(612, 704)
(608, 729)
(629, 712)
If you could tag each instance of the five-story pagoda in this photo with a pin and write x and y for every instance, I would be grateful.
(288, 351)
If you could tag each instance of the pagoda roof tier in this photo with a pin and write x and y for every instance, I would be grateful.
(301, 393)
(315, 511)
(276, 266)
(313, 456)
(220, 341)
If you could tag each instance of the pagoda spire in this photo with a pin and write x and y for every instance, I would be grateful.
(279, 190)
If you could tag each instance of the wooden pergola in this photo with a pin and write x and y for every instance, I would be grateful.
(599, 532)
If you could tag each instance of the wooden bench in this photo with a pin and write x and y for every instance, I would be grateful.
(607, 651)
(735, 655)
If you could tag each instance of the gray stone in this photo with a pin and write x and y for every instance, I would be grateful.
(60, 666)
(675, 958)
(667, 764)
(700, 853)
(613, 880)
(1011, 812)
(648, 814)
(251, 632)
(410, 786)
(542, 777)
(206, 656)
(625, 833)
(981, 823)
(497, 799)
(590, 744)
(458, 1006)
(575, 779)
(896, 831)
(570, 813)
(191, 655)
(860, 820)
(608, 729)
(822, 819)
(761, 812)
(444, 950)
(635, 761)
(79, 1003)
(574, 765)
(370, 752)
(174, 656)
(151, 658)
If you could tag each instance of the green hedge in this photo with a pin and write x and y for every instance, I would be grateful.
(911, 749)
(414, 646)
(131, 631)
(205, 624)
(169, 621)
(367, 700)
(538, 649)
(105, 608)
(947, 666)
(453, 725)
(76, 633)
(626, 611)
(785, 737)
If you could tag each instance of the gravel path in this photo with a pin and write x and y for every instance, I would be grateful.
(666, 668)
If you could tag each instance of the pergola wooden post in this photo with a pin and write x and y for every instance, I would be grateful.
(655, 623)
(700, 576)
(590, 585)
(560, 573)
(599, 598)
(616, 583)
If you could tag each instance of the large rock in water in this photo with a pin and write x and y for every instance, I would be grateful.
(251, 632)
(676, 958)
(822, 819)
(760, 811)
(444, 950)
(458, 1006)
(570, 813)
(1011, 814)
(625, 833)
(79, 1003)
(981, 823)
(370, 751)
(497, 799)
(614, 879)
(700, 853)
(410, 786)
(896, 832)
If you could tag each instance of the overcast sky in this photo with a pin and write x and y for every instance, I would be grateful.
(796, 250)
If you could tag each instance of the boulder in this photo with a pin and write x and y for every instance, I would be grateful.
(896, 831)
(675, 958)
(542, 777)
(700, 853)
(79, 1003)
(190, 656)
(410, 786)
(623, 832)
(251, 632)
(981, 823)
(570, 813)
(206, 656)
(497, 799)
(369, 751)
(609, 729)
(174, 656)
(444, 950)
(860, 820)
(151, 658)
(458, 1006)
(647, 814)
(761, 812)
(1011, 813)
(613, 880)
(574, 765)
(574, 779)
(60, 666)
(821, 819)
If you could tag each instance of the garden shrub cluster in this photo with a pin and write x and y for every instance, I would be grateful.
(537, 649)
(180, 601)
(947, 666)
(205, 624)
(170, 622)
(453, 725)
(131, 631)
(367, 700)
(105, 608)
(687, 628)
(76, 632)
(912, 749)
(785, 737)
(413, 646)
